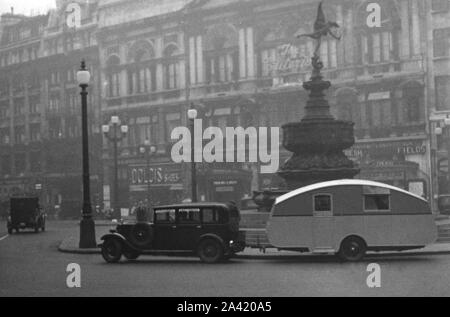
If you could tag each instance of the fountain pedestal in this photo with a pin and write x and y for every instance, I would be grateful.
(318, 141)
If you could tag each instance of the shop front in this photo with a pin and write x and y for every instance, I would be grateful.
(399, 163)
(224, 182)
(158, 184)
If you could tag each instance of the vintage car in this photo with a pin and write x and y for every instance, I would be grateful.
(350, 217)
(208, 230)
(24, 213)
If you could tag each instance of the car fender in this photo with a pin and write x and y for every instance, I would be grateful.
(119, 237)
(212, 236)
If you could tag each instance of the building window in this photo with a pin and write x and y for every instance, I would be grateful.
(412, 101)
(54, 104)
(113, 77)
(19, 135)
(20, 161)
(172, 121)
(441, 42)
(55, 129)
(35, 132)
(6, 164)
(381, 113)
(141, 78)
(443, 93)
(4, 136)
(440, 5)
(35, 162)
(171, 68)
(347, 105)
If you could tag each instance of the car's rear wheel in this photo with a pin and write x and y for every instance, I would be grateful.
(131, 255)
(10, 230)
(352, 249)
(17, 230)
(210, 251)
(112, 250)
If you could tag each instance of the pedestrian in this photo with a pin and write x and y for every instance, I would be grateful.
(141, 213)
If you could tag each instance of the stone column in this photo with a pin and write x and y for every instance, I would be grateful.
(404, 41)
(200, 70)
(250, 53)
(192, 61)
(415, 28)
(242, 54)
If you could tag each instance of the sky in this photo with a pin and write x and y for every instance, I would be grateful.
(26, 6)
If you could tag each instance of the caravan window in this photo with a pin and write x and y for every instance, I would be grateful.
(377, 199)
(322, 202)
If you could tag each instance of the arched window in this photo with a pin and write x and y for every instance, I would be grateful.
(222, 54)
(378, 44)
(141, 75)
(171, 67)
(113, 76)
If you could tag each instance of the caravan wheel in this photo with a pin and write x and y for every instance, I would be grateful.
(352, 249)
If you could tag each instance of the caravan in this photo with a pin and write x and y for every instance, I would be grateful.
(349, 218)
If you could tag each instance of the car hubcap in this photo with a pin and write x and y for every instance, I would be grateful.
(210, 250)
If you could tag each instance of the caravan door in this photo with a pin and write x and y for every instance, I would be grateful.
(323, 224)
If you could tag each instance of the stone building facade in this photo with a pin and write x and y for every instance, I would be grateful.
(40, 116)
(240, 63)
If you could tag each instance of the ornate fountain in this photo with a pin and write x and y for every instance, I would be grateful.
(318, 141)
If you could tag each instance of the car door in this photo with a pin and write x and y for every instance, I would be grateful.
(323, 223)
(165, 229)
(189, 228)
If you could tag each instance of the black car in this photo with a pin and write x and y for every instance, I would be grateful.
(25, 212)
(208, 230)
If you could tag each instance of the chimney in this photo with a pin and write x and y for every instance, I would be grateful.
(12, 10)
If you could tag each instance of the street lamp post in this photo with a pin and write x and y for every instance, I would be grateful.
(87, 225)
(149, 150)
(111, 132)
(192, 115)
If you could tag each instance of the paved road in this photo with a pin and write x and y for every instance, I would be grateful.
(31, 265)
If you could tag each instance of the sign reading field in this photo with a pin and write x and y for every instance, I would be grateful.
(73, 12)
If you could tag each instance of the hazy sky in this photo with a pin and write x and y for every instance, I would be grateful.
(26, 6)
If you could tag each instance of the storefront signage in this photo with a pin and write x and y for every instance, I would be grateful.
(291, 59)
(157, 175)
(386, 151)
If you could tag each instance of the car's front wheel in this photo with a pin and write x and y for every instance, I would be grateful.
(112, 250)
(210, 251)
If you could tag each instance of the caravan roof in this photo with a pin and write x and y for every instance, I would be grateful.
(343, 182)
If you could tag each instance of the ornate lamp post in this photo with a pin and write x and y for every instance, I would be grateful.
(192, 115)
(115, 132)
(87, 225)
(148, 150)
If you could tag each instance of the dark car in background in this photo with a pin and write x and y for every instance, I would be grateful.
(25, 213)
(208, 230)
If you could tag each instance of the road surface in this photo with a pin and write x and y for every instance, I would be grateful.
(30, 265)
